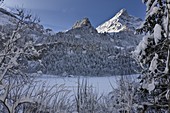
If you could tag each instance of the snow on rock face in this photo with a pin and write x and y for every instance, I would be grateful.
(82, 23)
(122, 21)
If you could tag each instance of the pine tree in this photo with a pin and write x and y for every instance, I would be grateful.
(153, 54)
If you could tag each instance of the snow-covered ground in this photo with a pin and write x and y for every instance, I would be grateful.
(102, 85)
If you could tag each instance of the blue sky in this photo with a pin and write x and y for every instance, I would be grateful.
(62, 14)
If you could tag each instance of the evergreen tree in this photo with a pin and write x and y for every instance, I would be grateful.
(153, 54)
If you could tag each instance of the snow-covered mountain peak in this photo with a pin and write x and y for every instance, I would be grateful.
(122, 21)
(82, 27)
(122, 12)
(82, 23)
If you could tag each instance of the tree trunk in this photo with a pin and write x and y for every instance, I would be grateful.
(168, 25)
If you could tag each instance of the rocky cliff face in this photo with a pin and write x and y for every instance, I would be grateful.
(82, 23)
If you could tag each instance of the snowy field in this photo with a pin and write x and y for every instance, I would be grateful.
(101, 85)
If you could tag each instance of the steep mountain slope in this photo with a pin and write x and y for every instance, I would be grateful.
(122, 21)
(83, 51)
(79, 51)
(8, 22)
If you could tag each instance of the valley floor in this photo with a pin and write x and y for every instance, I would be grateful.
(101, 85)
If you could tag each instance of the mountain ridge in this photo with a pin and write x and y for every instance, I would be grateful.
(81, 51)
(122, 21)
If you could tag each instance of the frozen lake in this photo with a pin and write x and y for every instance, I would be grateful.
(100, 84)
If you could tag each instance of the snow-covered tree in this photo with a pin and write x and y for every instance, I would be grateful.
(153, 54)
(12, 52)
(122, 98)
(14, 48)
